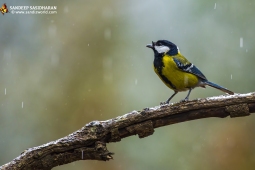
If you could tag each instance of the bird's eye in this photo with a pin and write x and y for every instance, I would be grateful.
(159, 44)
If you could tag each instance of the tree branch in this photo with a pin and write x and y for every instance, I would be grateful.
(90, 141)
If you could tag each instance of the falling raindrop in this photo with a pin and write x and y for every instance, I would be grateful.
(241, 42)
(215, 6)
(5, 91)
(22, 104)
(135, 81)
(231, 76)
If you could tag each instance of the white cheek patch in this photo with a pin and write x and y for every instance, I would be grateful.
(178, 49)
(161, 49)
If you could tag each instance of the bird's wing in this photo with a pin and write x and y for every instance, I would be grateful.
(184, 65)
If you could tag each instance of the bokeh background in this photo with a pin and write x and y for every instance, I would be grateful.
(89, 62)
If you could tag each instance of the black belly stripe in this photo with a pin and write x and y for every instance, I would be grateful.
(158, 64)
(166, 80)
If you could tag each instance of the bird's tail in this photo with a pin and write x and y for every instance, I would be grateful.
(218, 87)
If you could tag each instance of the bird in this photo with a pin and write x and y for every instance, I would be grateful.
(176, 71)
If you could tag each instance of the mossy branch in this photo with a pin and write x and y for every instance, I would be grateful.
(89, 143)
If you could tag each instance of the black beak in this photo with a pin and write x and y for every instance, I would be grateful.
(151, 45)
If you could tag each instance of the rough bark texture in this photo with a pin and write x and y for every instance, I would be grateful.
(90, 141)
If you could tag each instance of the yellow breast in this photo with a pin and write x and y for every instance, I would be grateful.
(175, 78)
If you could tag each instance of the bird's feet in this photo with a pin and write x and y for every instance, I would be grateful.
(164, 103)
(184, 100)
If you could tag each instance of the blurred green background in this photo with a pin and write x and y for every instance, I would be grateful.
(89, 62)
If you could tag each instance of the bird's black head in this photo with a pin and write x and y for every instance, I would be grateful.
(163, 46)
